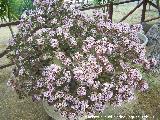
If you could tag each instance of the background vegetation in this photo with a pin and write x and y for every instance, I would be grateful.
(12, 9)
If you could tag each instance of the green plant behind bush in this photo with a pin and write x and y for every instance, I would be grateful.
(19, 6)
(12, 9)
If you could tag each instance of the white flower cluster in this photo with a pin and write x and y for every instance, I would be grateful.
(76, 63)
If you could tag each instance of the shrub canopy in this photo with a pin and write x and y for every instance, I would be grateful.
(75, 62)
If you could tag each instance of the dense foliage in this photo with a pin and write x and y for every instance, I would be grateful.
(75, 62)
(12, 9)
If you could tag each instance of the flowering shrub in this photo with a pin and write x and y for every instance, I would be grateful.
(76, 63)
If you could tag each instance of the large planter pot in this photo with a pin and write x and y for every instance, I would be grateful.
(56, 114)
(143, 38)
(50, 110)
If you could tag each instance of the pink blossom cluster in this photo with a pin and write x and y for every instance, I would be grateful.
(77, 63)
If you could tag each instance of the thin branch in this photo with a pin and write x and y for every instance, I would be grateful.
(154, 5)
(118, 3)
(7, 65)
(94, 7)
(10, 28)
(152, 19)
(131, 12)
(10, 23)
(104, 5)
(6, 51)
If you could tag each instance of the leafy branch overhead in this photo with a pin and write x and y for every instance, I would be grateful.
(9, 11)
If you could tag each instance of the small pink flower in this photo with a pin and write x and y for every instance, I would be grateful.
(109, 68)
(54, 43)
(134, 74)
(93, 97)
(153, 62)
(123, 76)
(81, 91)
(144, 86)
